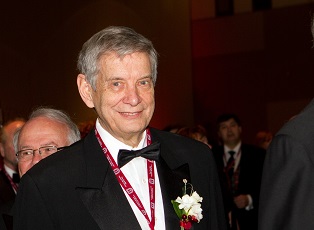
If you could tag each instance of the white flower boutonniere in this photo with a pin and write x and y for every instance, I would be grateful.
(188, 207)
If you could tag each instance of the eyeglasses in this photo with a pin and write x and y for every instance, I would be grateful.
(28, 154)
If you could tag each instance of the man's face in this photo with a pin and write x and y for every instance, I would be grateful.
(37, 133)
(7, 148)
(230, 132)
(124, 96)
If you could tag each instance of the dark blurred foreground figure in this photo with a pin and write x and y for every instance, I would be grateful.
(90, 186)
(240, 168)
(287, 197)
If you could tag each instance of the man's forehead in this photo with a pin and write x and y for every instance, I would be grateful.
(231, 120)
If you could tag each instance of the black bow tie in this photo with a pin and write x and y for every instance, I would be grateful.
(150, 152)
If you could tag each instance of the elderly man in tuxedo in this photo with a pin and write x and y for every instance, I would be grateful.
(97, 183)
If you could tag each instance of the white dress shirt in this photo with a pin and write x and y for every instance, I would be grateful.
(136, 173)
(236, 156)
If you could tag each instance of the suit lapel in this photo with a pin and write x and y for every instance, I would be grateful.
(171, 183)
(108, 205)
(101, 193)
(171, 172)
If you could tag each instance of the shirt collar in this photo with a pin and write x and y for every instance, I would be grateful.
(235, 149)
(114, 145)
(9, 170)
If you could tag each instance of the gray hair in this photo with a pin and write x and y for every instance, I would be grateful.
(118, 39)
(55, 115)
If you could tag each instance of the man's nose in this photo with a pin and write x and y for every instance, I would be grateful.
(36, 158)
(132, 96)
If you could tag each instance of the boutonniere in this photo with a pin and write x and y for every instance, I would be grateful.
(188, 207)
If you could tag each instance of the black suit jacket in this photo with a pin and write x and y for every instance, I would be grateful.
(7, 194)
(77, 189)
(251, 167)
(7, 197)
(287, 193)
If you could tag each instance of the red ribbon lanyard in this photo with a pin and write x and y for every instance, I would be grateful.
(123, 181)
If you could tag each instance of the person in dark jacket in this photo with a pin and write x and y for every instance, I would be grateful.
(240, 166)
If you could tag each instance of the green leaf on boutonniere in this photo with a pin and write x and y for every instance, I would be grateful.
(178, 211)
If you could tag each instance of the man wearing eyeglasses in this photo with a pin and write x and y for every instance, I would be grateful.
(46, 132)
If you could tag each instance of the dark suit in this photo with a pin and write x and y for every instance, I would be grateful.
(287, 193)
(250, 172)
(77, 189)
(7, 197)
(7, 194)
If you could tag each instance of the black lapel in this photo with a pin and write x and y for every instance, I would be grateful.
(171, 183)
(101, 193)
(172, 169)
(108, 205)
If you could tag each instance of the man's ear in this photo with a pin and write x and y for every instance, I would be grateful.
(85, 90)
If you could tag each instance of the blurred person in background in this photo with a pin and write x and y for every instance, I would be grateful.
(197, 132)
(9, 178)
(240, 166)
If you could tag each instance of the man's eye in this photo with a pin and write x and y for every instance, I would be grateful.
(49, 149)
(116, 84)
(27, 153)
(146, 82)
(143, 82)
